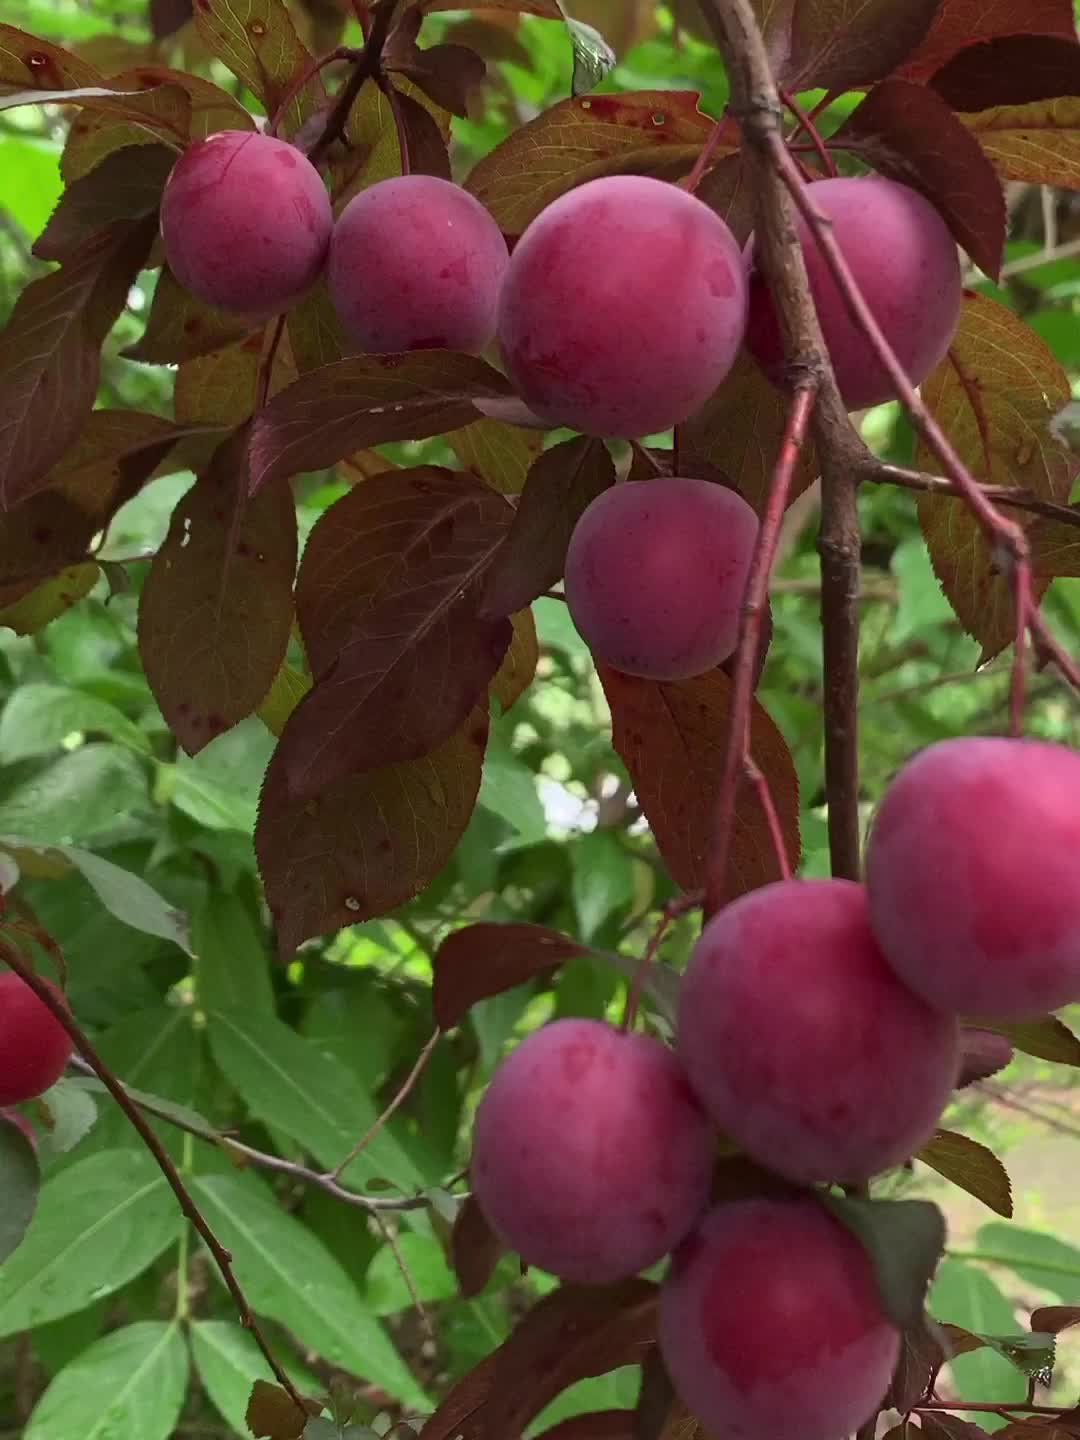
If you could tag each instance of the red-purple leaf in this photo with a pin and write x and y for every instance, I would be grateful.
(314, 330)
(498, 453)
(388, 606)
(1039, 142)
(843, 44)
(1010, 70)
(597, 1425)
(30, 63)
(647, 132)
(179, 327)
(922, 1354)
(724, 189)
(738, 431)
(257, 41)
(561, 483)
(487, 958)
(671, 737)
(474, 1249)
(940, 1425)
(368, 844)
(461, 1414)
(424, 142)
(907, 132)
(962, 23)
(272, 1413)
(168, 16)
(1052, 1319)
(50, 353)
(549, 9)
(126, 186)
(364, 401)
(447, 74)
(994, 394)
(983, 1053)
(216, 607)
(972, 1167)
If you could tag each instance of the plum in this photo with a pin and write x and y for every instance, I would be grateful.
(656, 572)
(623, 308)
(972, 876)
(591, 1157)
(416, 264)
(801, 1042)
(34, 1046)
(246, 223)
(905, 262)
(771, 1324)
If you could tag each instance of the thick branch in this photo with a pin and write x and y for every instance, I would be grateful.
(756, 104)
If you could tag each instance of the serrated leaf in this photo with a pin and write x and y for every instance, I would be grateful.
(908, 133)
(228, 1359)
(99, 1222)
(738, 431)
(518, 669)
(161, 109)
(216, 608)
(561, 484)
(367, 400)
(44, 603)
(994, 394)
(400, 564)
(594, 59)
(131, 1382)
(647, 132)
(272, 1413)
(127, 185)
(1049, 1039)
(50, 353)
(289, 688)
(959, 24)
(487, 958)
(922, 1354)
(257, 41)
(497, 453)
(904, 1239)
(1052, 1319)
(972, 1167)
(842, 44)
(1038, 142)
(1010, 70)
(370, 843)
(20, 1179)
(671, 738)
(982, 1054)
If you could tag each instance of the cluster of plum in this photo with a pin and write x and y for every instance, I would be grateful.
(818, 1031)
(34, 1048)
(622, 308)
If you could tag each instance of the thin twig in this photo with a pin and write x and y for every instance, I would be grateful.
(758, 780)
(222, 1257)
(1012, 496)
(705, 159)
(343, 52)
(680, 905)
(805, 122)
(386, 1230)
(266, 368)
(273, 1163)
(366, 66)
(754, 606)
(395, 1104)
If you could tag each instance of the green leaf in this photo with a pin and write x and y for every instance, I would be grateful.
(19, 1181)
(95, 794)
(99, 1223)
(965, 1295)
(1038, 1259)
(904, 1239)
(593, 57)
(122, 893)
(603, 880)
(387, 1291)
(130, 1383)
(38, 718)
(308, 1095)
(233, 964)
(508, 789)
(219, 787)
(31, 178)
(229, 1361)
(1032, 1355)
(72, 1113)
(289, 1276)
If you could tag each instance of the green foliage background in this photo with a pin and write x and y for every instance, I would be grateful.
(111, 1311)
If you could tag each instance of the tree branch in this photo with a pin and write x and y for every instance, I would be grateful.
(879, 473)
(222, 1257)
(756, 105)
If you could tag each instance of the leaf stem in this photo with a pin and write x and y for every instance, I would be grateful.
(398, 1100)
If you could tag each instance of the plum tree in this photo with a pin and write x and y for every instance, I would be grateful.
(801, 1042)
(246, 223)
(591, 1157)
(771, 1324)
(416, 264)
(655, 575)
(624, 307)
(971, 872)
(905, 262)
(34, 1046)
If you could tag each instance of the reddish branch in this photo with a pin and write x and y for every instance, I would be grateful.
(680, 905)
(222, 1257)
(737, 759)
